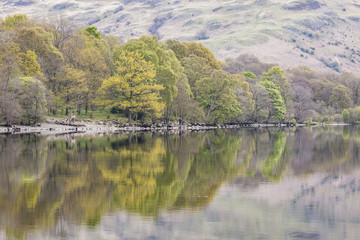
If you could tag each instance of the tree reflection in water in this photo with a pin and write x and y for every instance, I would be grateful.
(43, 182)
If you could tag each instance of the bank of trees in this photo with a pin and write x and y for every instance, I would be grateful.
(52, 68)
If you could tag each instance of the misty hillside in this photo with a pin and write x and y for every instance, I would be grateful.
(320, 34)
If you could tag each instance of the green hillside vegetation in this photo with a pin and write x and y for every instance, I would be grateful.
(52, 68)
(323, 34)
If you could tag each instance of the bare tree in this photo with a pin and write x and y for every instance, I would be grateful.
(303, 103)
(63, 29)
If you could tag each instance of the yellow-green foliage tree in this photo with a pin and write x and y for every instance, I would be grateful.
(29, 65)
(9, 60)
(33, 37)
(133, 88)
(14, 21)
(40, 41)
(200, 50)
(91, 55)
(167, 67)
(22, 100)
(186, 49)
(72, 88)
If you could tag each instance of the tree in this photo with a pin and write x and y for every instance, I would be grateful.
(167, 67)
(216, 94)
(10, 109)
(72, 88)
(180, 50)
(186, 49)
(195, 68)
(262, 102)
(133, 88)
(185, 107)
(249, 75)
(301, 79)
(278, 109)
(277, 76)
(346, 116)
(28, 64)
(62, 28)
(16, 20)
(303, 103)
(37, 39)
(9, 60)
(353, 84)
(340, 97)
(32, 97)
(112, 41)
(92, 30)
(246, 63)
(201, 51)
(92, 56)
(322, 89)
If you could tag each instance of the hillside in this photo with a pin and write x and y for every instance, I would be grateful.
(321, 34)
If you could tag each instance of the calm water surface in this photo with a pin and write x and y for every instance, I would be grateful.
(299, 183)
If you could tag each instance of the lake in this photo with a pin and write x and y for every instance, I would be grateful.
(265, 183)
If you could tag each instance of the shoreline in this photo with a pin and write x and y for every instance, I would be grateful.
(55, 127)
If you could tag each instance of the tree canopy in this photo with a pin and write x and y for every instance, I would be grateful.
(185, 81)
(133, 88)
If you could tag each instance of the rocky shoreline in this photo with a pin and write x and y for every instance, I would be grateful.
(52, 126)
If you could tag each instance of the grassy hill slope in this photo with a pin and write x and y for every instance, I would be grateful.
(321, 34)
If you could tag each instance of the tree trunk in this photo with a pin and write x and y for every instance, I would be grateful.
(210, 109)
(129, 117)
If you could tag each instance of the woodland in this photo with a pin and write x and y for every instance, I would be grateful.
(52, 68)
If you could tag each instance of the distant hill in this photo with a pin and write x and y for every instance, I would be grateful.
(321, 34)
